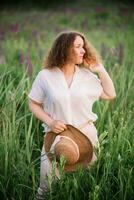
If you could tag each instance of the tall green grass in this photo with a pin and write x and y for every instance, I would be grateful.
(21, 138)
(17, 145)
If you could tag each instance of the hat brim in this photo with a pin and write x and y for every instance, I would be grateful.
(83, 142)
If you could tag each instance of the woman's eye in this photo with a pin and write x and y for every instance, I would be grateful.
(79, 46)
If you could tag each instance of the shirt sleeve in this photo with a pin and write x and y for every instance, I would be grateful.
(37, 92)
(97, 84)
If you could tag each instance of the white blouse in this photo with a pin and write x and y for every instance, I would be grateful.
(72, 105)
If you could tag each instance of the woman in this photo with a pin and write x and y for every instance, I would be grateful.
(65, 90)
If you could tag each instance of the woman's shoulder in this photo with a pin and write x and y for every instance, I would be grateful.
(44, 72)
(41, 74)
(88, 74)
(87, 71)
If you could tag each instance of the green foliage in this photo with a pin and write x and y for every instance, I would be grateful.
(25, 39)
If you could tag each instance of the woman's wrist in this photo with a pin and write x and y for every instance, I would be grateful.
(49, 121)
(101, 70)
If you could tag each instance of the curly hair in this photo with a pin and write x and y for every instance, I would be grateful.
(59, 53)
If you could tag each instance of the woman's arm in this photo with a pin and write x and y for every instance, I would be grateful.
(36, 108)
(107, 83)
(39, 113)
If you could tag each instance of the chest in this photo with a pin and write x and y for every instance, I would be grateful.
(71, 88)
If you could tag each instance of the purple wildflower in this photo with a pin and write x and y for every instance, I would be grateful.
(14, 28)
(120, 53)
(104, 50)
(29, 66)
(100, 9)
(21, 57)
(35, 33)
(2, 33)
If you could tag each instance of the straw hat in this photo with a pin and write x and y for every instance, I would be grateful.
(76, 148)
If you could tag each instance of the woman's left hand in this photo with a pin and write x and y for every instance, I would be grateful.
(96, 68)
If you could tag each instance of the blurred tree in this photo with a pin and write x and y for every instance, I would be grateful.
(32, 2)
(49, 3)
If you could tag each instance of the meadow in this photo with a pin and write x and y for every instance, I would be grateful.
(25, 37)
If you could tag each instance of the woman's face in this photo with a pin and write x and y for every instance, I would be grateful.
(78, 50)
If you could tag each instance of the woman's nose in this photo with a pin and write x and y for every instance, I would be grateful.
(82, 50)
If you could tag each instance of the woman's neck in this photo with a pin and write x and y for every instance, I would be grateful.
(68, 69)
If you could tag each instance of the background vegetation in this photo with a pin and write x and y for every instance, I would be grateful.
(25, 36)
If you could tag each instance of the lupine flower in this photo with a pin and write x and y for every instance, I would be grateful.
(29, 66)
(2, 33)
(100, 9)
(84, 24)
(21, 57)
(120, 53)
(14, 28)
(35, 33)
(104, 50)
(2, 57)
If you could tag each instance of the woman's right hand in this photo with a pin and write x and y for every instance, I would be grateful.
(57, 126)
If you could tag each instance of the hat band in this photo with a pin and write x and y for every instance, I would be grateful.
(76, 146)
(58, 139)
